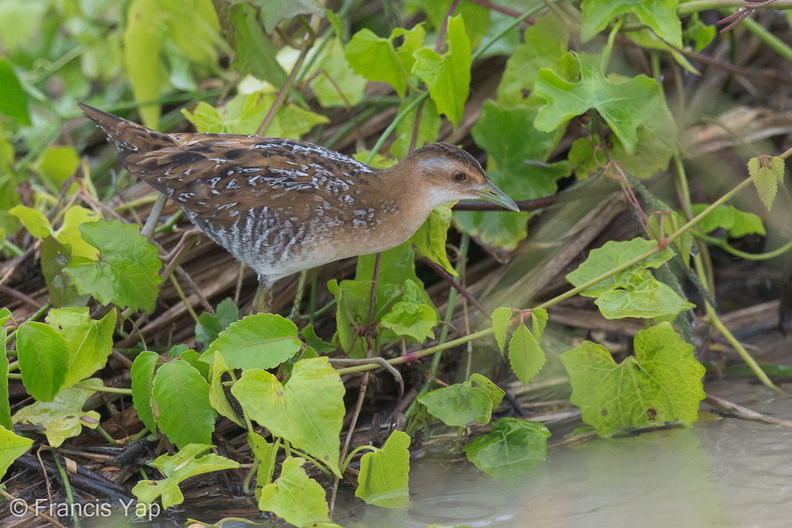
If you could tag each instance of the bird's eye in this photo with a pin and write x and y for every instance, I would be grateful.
(459, 176)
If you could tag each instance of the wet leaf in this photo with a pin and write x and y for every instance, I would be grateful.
(384, 473)
(460, 404)
(280, 497)
(658, 386)
(513, 447)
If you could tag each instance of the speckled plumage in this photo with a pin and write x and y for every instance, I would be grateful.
(282, 205)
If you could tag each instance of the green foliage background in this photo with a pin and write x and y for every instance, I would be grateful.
(571, 107)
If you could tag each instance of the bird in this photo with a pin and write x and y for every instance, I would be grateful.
(282, 205)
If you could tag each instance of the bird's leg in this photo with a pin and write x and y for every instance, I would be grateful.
(261, 300)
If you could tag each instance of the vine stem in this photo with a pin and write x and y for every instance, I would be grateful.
(706, 5)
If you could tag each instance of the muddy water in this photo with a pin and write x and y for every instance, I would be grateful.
(720, 473)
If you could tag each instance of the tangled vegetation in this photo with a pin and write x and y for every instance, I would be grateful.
(126, 329)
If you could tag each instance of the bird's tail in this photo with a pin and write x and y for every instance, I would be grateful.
(128, 136)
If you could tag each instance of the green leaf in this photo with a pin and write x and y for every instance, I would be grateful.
(195, 31)
(517, 152)
(335, 83)
(142, 374)
(194, 358)
(736, 223)
(396, 282)
(63, 417)
(176, 469)
(459, 405)
(294, 497)
(430, 239)
(447, 76)
(254, 52)
(660, 385)
(257, 341)
(501, 318)
(633, 292)
(20, 24)
(649, 40)
(209, 326)
(32, 220)
(54, 259)
(645, 297)
(525, 355)
(495, 393)
(314, 341)
(275, 11)
(411, 320)
(143, 40)
(69, 231)
(57, 164)
(88, 342)
(660, 15)
(384, 473)
(243, 114)
(43, 359)
(11, 448)
(218, 373)
(657, 139)
(512, 448)
(307, 411)
(127, 271)
(265, 454)
(375, 59)
(539, 319)
(412, 41)
(13, 98)
(477, 17)
(700, 33)
(428, 129)
(624, 103)
(544, 45)
(181, 396)
(766, 172)
(5, 404)
(611, 255)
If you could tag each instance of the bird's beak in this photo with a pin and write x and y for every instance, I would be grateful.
(490, 193)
